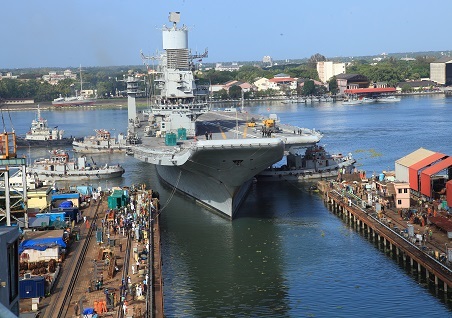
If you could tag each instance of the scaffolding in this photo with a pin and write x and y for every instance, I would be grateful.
(8, 163)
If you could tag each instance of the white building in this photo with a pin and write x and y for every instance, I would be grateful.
(262, 84)
(53, 78)
(328, 69)
(267, 59)
(441, 70)
(232, 67)
(282, 82)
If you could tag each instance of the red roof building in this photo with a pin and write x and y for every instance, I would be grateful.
(426, 175)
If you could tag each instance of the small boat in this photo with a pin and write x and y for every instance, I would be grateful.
(351, 102)
(388, 99)
(368, 100)
(101, 142)
(60, 167)
(315, 163)
(40, 135)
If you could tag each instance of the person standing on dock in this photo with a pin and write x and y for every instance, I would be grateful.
(76, 309)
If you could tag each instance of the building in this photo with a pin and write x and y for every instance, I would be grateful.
(351, 81)
(415, 85)
(8, 75)
(19, 101)
(39, 198)
(282, 82)
(402, 195)
(428, 173)
(441, 71)
(267, 60)
(9, 275)
(229, 68)
(328, 69)
(262, 84)
(53, 78)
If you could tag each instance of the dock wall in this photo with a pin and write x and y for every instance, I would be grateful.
(405, 251)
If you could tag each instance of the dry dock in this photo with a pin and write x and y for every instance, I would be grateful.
(390, 232)
(114, 267)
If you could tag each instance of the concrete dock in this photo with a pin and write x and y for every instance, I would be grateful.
(427, 257)
(114, 267)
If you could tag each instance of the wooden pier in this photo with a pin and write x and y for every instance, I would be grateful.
(427, 266)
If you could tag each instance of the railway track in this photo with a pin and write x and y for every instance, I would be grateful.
(125, 269)
(69, 274)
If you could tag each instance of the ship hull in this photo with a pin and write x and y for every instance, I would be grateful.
(209, 192)
(74, 103)
(22, 142)
(81, 148)
(218, 174)
(88, 175)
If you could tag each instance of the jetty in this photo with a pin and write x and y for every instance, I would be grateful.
(426, 257)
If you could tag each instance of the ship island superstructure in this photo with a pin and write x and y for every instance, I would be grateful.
(212, 156)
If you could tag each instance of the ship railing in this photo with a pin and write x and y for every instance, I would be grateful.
(299, 130)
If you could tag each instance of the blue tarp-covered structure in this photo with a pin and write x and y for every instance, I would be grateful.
(57, 199)
(41, 244)
(55, 219)
(72, 213)
(66, 204)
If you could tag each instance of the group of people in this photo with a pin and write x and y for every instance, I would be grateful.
(208, 135)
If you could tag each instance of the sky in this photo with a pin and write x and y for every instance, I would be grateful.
(57, 33)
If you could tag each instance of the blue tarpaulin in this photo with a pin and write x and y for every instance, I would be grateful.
(65, 196)
(41, 244)
(66, 204)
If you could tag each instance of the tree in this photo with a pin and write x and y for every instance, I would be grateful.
(317, 57)
(308, 88)
(332, 83)
(235, 92)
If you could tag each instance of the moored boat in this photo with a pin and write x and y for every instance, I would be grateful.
(351, 102)
(60, 167)
(103, 141)
(314, 163)
(40, 135)
(388, 99)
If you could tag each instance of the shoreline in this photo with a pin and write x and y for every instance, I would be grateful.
(122, 102)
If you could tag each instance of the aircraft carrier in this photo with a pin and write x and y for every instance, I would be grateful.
(212, 156)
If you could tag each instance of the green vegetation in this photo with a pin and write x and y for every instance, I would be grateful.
(393, 71)
(103, 79)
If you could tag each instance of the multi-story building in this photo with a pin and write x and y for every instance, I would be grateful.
(441, 71)
(328, 69)
(282, 82)
(53, 78)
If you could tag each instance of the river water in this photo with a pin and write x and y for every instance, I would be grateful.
(285, 255)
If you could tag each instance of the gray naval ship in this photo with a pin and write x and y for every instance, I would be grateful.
(211, 156)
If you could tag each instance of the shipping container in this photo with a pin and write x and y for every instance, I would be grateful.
(33, 287)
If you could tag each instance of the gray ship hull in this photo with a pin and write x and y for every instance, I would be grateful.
(217, 174)
(209, 192)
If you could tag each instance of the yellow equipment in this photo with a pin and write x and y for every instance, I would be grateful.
(268, 123)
